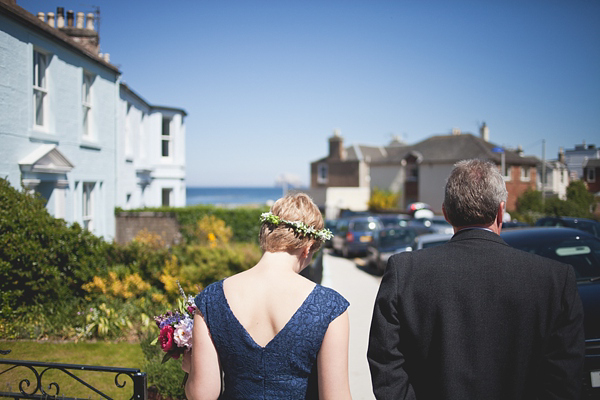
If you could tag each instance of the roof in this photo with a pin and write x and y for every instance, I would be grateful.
(591, 163)
(24, 17)
(131, 92)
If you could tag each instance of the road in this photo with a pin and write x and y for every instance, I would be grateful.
(359, 287)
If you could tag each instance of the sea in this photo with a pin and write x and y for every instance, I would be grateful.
(233, 196)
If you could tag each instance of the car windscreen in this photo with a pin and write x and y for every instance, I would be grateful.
(362, 226)
(397, 237)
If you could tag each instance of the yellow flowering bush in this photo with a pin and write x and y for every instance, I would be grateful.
(132, 285)
(212, 231)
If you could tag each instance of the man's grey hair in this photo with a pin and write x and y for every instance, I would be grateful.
(474, 191)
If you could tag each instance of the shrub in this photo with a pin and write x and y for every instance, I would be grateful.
(383, 200)
(42, 260)
(167, 377)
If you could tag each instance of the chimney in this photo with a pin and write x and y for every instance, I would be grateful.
(520, 151)
(336, 150)
(41, 16)
(51, 19)
(60, 17)
(70, 18)
(89, 21)
(83, 32)
(455, 131)
(484, 132)
(79, 20)
(561, 155)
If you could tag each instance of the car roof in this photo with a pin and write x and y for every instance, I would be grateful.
(543, 233)
(574, 219)
(434, 237)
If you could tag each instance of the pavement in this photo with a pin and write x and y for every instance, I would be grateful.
(359, 286)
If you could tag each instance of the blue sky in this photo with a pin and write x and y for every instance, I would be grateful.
(265, 83)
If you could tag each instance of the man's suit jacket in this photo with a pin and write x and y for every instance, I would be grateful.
(476, 319)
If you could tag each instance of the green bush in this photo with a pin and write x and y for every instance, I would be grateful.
(167, 377)
(383, 200)
(243, 221)
(42, 260)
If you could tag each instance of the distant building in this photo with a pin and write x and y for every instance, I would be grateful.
(61, 130)
(557, 177)
(575, 158)
(150, 153)
(418, 172)
(591, 175)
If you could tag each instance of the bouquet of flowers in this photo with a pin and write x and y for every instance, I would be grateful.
(176, 326)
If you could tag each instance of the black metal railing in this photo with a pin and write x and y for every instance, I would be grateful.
(39, 388)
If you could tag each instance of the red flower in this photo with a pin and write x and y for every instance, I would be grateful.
(166, 338)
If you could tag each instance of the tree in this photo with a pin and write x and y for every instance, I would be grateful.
(383, 200)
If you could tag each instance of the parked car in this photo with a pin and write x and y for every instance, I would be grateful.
(584, 224)
(330, 224)
(387, 242)
(582, 251)
(514, 224)
(438, 224)
(419, 210)
(394, 220)
(353, 234)
(430, 240)
(314, 270)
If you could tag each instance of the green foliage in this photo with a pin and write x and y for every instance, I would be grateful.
(167, 377)
(41, 258)
(383, 200)
(203, 265)
(579, 203)
(243, 221)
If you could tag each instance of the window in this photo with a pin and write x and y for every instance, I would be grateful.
(166, 137)
(525, 174)
(40, 89)
(322, 171)
(128, 133)
(142, 141)
(166, 197)
(88, 206)
(591, 174)
(507, 172)
(86, 102)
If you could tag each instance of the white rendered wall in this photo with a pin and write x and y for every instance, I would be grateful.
(93, 160)
(432, 181)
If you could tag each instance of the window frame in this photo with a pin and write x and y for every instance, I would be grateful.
(40, 89)
(166, 138)
(506, 174)
(169, 193)
(322, 173)
(87, 205)
(87, 103)
(526, 174)
(591, 175)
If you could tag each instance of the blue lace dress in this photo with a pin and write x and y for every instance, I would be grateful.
(283, 369)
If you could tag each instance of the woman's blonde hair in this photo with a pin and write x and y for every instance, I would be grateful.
(293, 207)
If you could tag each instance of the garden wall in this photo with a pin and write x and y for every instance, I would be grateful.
(165, 224)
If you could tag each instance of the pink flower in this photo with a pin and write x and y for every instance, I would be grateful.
(166, 338)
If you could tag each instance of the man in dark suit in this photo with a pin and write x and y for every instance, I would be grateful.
(475, 318)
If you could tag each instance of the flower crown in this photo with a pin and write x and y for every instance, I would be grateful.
(298, 226)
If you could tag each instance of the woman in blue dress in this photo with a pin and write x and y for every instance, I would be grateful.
(268, 332)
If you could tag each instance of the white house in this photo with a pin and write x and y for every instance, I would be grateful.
(72, 132)
(150, 153)
(57, 120)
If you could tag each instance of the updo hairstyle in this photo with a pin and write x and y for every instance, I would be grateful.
(292, 207)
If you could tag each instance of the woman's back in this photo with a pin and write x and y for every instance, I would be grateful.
(282, 366)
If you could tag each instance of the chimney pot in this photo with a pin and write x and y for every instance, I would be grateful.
(106, 57)
(51, 19)
(41, 16)
(80, 17)
(70, 18)
(484, 132)
(89, 22)
(60, 17)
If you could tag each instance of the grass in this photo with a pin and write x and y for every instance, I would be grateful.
(121, 354)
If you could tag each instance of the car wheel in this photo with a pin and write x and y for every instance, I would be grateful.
(345, 252)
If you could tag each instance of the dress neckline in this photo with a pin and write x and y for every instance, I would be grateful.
(284, 328)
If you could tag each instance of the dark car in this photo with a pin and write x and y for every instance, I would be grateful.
(330, 224)
(514, 224)
(584, 224)
(394, 220)
(387, 242)
(582, 251)
(354, 234)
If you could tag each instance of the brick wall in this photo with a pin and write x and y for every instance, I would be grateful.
(129, 224)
